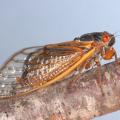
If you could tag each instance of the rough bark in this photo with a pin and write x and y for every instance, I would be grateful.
(82, 99)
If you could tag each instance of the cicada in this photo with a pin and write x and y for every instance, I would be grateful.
(37, 67)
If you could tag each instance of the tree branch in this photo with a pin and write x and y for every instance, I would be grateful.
(82, 99)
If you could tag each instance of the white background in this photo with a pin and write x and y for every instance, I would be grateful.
(25, 23)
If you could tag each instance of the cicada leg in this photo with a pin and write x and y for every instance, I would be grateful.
(77, 74)
(91, 64)
(99, 71)
(116, 58)
(109, 53)
(99, 79)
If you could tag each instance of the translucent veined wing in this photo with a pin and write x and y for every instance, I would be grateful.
(12, 69)
(37, 67)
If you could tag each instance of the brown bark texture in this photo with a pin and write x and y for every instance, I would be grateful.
(81, 99)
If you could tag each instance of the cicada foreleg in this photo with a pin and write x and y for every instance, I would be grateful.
(109, 53)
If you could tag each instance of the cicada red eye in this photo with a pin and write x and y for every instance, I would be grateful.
(106, 38)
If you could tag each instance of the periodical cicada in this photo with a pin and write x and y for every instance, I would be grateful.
(36, 67)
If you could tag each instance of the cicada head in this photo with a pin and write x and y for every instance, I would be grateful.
(108, 39)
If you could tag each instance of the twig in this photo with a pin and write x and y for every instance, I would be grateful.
(81, 100)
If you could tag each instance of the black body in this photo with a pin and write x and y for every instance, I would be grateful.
(95, 36)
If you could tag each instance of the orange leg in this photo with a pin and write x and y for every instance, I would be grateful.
(99, 81)
(109, 53)
(99, 71)
(116, 59)
(90, 64)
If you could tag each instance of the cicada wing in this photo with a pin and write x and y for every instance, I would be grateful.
(12, 69)
(37, 67)
(42, 68)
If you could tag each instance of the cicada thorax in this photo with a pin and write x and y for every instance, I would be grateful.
(95, 36)
(106, 39)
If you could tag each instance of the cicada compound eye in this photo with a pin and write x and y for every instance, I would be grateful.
(106, 38)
